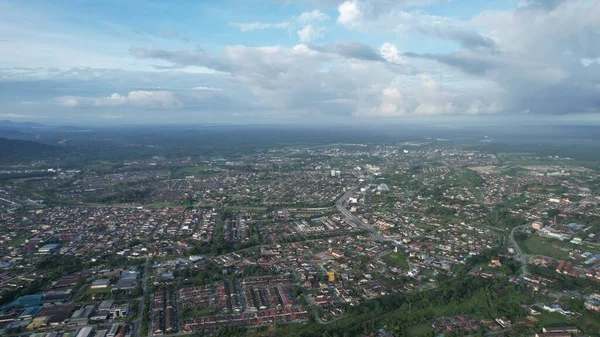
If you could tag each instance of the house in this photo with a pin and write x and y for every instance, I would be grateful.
(100, 283)
(561, 329)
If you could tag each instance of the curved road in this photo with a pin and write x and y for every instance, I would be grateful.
(519, 255)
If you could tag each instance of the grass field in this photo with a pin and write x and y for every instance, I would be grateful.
(425, 226)
(16, 242)
(420, 330)
(537, 245)
(397, 259)
(199, 313)
(552, 319)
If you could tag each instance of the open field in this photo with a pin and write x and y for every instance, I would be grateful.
(16, 242)
(420, 330)
(398, 259)
(537, 245)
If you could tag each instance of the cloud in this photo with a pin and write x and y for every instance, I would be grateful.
(535, 54)
(538, 57)
(349, 13)
(340, 79)
(352, 50)
(136, 98)
(359, 13)
(464, 37)
(180, 58)
(21, 116)
(425, 96)
(310, 32)
(250, 26)
(202, 88)
(315, 15)
(390, 53)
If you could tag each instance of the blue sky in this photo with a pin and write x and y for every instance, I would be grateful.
(299, 61)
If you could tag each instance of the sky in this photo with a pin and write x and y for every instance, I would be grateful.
(299, 61)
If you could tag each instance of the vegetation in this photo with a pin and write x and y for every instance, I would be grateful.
(12, 150)
(51, 267)
(504, 219)
(537, 245)
(563, 282)
(475, 296)
(189, 313)
(397, 259)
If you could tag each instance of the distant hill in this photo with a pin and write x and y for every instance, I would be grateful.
(13, 134)
(9, 123)
(15, 150)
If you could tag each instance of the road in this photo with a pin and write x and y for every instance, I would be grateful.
(339, 204)
(140, 313)
(519, 255)
(10, 202)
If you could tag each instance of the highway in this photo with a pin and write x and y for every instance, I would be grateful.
(8, 201)
(140, 313)
(339, 204)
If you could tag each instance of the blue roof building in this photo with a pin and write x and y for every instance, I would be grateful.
(34, 300)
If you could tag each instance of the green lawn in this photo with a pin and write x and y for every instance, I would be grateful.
(16, 242)
(396, 259)
(550, 319)
(420, 330)
(537, 245)
(425, 226)
(198, 312)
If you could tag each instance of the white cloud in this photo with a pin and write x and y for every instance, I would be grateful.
(349, 13)
(21, 116)
(136, 98)
(406, 96)
(202, 88)
(337, 79)
(250, 26)
(315, 15)
(525, 59)
(390, 53)
(310, 33)
(360, 13)
(69, 101)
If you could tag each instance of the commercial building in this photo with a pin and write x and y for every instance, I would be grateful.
(49, 248)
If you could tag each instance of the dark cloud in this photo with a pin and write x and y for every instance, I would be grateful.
(353, 50)
(467, 39)
(540, 4)
(194, 57)
(475, 64)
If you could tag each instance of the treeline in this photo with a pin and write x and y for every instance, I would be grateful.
(503, 218)
(563, 282)
(51, 267)
(12, 176)
(474, 296)
(127, 195)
